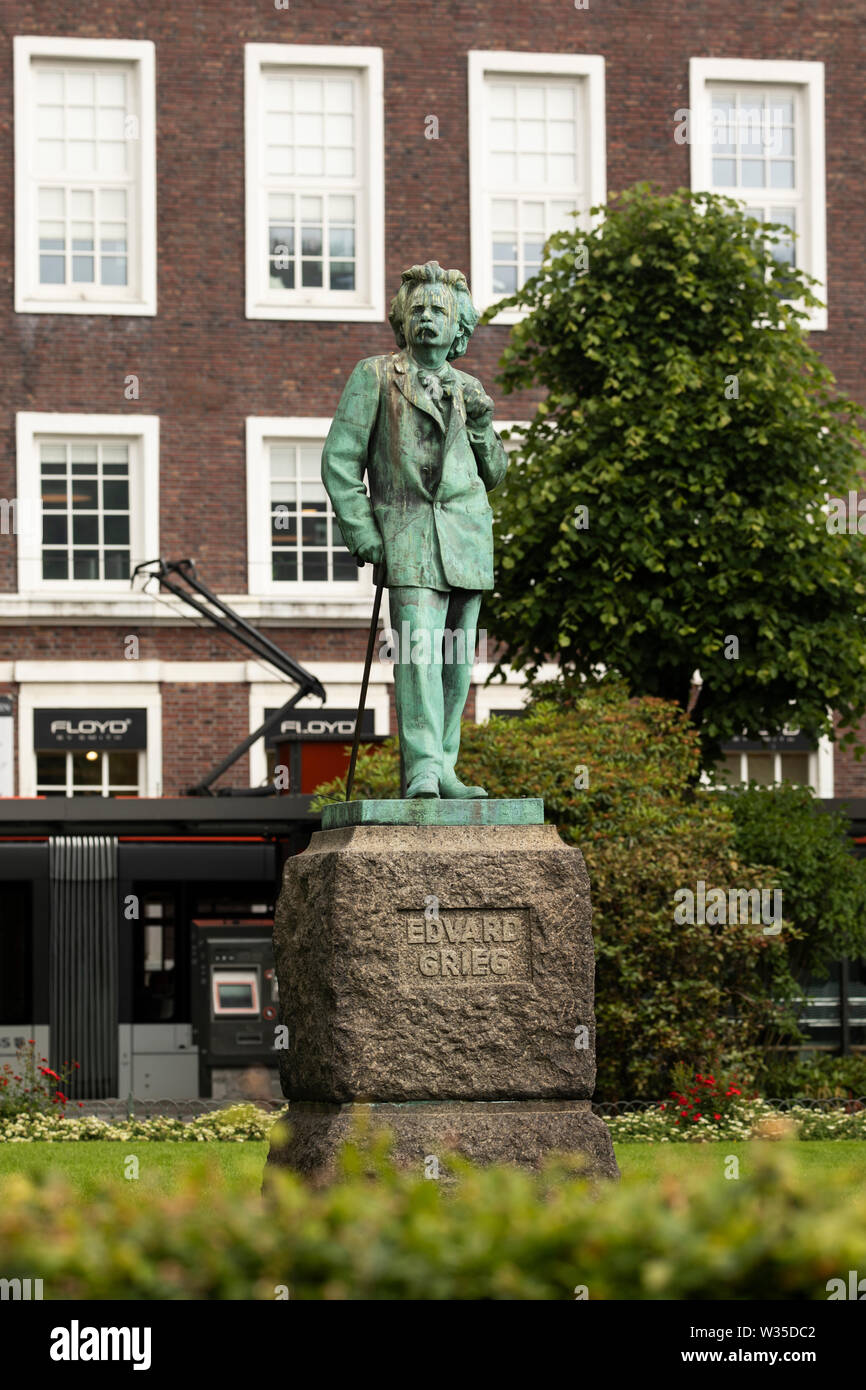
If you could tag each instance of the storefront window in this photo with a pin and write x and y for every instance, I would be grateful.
(94, 773)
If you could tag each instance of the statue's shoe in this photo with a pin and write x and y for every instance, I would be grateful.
(455, 790)
(425, 785)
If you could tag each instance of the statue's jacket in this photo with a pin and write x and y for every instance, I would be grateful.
(428, 486)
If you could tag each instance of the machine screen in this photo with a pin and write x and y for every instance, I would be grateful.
(236, 993)
(236, 996)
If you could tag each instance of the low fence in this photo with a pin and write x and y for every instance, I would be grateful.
(138, 1109)
(189, 1109)
(848, 1104)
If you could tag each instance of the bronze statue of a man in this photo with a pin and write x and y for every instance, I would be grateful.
(423, 434)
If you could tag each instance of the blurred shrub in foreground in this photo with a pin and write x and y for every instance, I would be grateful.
(499, 1233)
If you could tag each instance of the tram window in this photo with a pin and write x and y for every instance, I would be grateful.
(156, 961)
(16, 955)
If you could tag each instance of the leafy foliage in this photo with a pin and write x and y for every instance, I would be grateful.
(665, 992)
(820, 1075)
(823, 884)
(688, 413)
(499, 1234)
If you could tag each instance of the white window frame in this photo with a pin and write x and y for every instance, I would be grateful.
(140, 430)
(821, 768)
(484, 62)
(87, 688)
(30, 296)
(140, 772)
(808, 78)
(261, 301)
(260, 430)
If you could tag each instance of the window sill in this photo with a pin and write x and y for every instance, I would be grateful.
(326, 313)
(118, 307)
(70, 609)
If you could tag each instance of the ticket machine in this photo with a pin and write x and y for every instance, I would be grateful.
(234, 999)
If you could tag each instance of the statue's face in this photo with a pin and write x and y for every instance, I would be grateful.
(431, 317)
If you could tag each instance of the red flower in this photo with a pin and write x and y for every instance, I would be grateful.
(46, 1071)
(77, 1066)
(717, 1117)
(697, 1115)
(61, 1097)
(31, 1042)
(663, 1106)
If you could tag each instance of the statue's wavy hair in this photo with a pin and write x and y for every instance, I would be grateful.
(432, 273)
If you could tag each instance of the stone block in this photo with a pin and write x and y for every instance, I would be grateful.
(436, 963)
(423, 1134)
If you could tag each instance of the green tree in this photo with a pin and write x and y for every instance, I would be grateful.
(665, 511)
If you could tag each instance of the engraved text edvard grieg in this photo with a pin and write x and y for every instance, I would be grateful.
(466, 945)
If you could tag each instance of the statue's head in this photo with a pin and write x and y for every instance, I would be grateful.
(446, 294)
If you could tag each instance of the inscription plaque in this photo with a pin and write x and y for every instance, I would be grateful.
(465, 945)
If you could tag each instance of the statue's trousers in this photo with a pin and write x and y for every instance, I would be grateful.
(434, 653)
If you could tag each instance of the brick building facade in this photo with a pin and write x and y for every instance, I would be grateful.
(396, 129)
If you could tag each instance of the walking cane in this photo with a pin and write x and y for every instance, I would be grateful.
(379, 580)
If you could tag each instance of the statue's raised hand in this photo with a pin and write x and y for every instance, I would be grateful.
(479, 407)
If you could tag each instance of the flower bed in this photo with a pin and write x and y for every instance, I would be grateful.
(745, 1121)
(235, 1124)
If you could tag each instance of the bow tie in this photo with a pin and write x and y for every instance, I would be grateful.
(434, 385)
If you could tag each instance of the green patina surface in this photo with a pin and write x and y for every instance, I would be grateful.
(434, 811)
(409, 460)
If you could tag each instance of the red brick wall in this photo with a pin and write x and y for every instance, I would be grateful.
(203, 367)
(304, 644)
(200, 725)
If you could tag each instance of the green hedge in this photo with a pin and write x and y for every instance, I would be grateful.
(820, 1075)
(823, 884)
(499, 1233)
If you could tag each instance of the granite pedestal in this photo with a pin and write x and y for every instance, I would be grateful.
(437, 979)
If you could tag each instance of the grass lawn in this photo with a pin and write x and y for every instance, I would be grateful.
(93, 1166)
(97, 1164)
(649, 1162)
